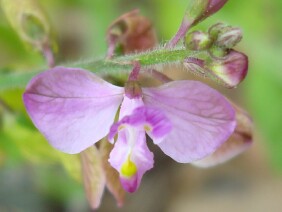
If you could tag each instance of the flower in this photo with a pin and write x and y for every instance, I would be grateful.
(74, 109)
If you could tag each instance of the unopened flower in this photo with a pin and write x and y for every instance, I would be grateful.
(225, 36)
(197, 40)
(131, 32)
(228, 70)
(197, 11)
(74, 109)
(209, 7)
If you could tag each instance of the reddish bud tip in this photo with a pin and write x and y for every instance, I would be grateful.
(213, 7)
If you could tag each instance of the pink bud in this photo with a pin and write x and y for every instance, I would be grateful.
(228, 71)
(213, 7)
(197, 11)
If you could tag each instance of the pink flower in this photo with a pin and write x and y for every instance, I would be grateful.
(74, 109)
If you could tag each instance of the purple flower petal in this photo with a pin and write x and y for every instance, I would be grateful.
(239, 141)
(201, 118)
(131, 157)
(127, 107)
(72, 107)
(234, 146)
(152, 120)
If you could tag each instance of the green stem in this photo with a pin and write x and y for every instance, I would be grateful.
(118, 64)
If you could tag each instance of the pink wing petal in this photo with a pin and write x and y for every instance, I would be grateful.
(239, 141)
(72, 107)
(234, 146)
(201, 118)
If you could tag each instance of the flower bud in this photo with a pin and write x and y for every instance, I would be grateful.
(132, 32)
(228, 71)
(225, 36)
(196, 66)
(197, 41)
(29, 21)
(239, 141)
(209, 7)
(197, 11)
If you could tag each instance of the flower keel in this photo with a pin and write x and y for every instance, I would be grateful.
(130, 155)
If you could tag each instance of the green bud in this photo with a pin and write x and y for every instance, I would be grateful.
(215, 29)
(225, 36)
(197, 41)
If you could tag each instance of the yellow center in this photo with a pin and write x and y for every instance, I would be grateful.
(147, 128)
(128, 168)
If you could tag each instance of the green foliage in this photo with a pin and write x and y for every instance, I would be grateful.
(19, 141)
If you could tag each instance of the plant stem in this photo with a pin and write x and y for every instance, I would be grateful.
(147, 60)
(184, 27)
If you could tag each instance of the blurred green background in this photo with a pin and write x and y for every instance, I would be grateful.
(35, 177)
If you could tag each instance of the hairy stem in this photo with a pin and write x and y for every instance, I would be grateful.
(185, 25)
(115, 65)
